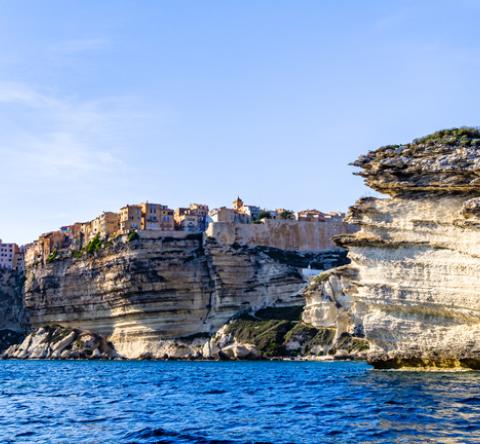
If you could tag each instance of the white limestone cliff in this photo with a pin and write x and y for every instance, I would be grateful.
(162, 296)
(412, 288)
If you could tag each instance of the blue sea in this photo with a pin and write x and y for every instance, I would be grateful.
(233, 402)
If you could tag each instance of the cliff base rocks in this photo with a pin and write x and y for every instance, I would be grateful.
(271, 334)
(55, 342)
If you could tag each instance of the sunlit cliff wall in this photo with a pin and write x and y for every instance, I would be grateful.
(412, 286)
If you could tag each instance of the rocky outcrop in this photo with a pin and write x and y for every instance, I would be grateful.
(278, 334)
(162, 296)
(411, 289)
(56, 342)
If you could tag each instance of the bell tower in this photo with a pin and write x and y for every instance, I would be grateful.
(237, 204)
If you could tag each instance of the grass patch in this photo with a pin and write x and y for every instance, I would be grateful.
(267, 336)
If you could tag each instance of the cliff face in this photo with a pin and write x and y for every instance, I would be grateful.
(412, 286)
(12, 313)
(13, 320)
(160, 296)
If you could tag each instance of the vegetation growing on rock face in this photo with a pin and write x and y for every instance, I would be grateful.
(133, 235)
(467, 136)
(94, 245)
(267, 336)
(350, 344)
(287, 214)
(276, 338)
(77, 254)
(264, 214)
(301, 330)
(444, 162)
(52, 256)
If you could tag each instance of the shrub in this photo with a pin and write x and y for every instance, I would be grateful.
(52, 256)
(287, 214)
(94, 245)
(133, 235)
(264, 215)
(462, 134)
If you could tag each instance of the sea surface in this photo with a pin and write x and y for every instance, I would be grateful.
(233, 402)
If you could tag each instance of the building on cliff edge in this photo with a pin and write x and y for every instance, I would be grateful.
(11, 256)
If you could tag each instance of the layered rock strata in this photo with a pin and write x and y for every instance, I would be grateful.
(13, 318)
(412, 287)
(162, 296)
(12, 312)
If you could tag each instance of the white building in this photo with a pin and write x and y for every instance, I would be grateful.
(10, 256)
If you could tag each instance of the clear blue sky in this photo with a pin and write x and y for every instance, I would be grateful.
(108, 102)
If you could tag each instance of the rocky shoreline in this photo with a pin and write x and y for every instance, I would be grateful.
(56, 342)
(271, 334)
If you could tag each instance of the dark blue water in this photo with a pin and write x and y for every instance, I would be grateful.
(233, 402)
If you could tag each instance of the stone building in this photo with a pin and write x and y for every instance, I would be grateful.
(106, 226)
(157, 217)
(252, 212)
(50, 242)
(199, 209)
(311, 216)
(224, 214)
(130, 218)
(188, 222)
(20, 266)
(75, 234)
(283, 213)
(193, 218)
(11, 256)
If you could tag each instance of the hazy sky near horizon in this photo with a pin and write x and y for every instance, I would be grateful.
(108, 102)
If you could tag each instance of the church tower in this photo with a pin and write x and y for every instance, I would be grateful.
(237, 204)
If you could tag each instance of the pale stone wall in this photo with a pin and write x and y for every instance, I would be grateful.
(283, 234)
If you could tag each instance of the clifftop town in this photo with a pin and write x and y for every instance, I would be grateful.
(154, 218)
(153, 282)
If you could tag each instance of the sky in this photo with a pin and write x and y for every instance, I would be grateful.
(104, 103)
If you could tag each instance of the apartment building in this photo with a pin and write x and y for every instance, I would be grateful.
(106, 226)
(157, 217)
(311, 216)
(193, 218)
(130, 218)
(10, 256)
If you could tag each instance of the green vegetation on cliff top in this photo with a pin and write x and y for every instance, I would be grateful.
(452, 135)
(463, 136)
